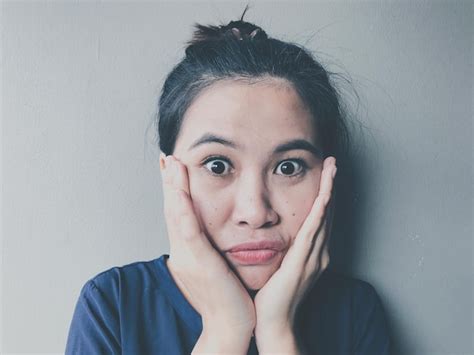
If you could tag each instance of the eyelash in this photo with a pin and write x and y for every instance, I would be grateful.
(301, 162)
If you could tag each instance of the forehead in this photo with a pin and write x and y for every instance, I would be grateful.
(250, 113)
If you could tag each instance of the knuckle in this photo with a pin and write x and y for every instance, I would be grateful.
(318, 217)
(325, 197)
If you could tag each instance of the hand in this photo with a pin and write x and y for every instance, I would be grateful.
(200, 272)
(305, 261)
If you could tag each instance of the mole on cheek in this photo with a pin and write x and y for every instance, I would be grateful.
(293, 214)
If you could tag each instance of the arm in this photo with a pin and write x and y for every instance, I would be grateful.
(217, 340)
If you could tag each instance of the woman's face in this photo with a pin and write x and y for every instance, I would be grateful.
(251, 156)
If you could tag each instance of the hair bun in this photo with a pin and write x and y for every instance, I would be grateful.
(244, 30)
(239, 30)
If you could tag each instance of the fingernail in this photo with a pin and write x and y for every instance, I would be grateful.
(162, 162)
(334, 172)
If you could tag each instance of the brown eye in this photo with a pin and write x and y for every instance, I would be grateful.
(291, 168)
(220, 167)
(217, 166)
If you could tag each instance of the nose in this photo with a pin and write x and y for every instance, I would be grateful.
(252, 205)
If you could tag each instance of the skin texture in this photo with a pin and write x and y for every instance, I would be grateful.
(254, 199)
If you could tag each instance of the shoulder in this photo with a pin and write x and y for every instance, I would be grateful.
(342, 287)
(345, 299)
(363, 306)
(133, 308)
(344, 312)
(117, 280)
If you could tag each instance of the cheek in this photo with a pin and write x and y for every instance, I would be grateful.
(209, 204)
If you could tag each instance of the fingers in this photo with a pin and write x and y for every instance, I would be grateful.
(318, 259)
(170, 192)
(311, 235)
(183, 226)
(319, 256)
(327, 179)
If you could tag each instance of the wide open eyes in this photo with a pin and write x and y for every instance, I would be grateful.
(220, 166)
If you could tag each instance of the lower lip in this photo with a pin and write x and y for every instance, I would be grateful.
(254, 257)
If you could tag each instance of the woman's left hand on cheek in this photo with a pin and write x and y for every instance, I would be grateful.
(305, 261)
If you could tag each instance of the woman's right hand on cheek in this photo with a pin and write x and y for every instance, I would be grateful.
(213, 289)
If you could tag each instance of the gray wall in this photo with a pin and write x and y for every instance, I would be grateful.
(80, 176)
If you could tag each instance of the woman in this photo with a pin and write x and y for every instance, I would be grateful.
(249, 131)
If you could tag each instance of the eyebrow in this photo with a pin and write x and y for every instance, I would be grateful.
(281, 148)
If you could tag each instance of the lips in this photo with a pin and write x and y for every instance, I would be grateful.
(264, 244)
(255, 253)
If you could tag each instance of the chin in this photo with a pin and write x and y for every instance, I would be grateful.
(255, 277)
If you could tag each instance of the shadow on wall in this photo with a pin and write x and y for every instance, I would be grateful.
(353, 185)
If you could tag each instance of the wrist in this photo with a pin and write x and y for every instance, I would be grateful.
(276, 339)
(216, 338)
(226, 328)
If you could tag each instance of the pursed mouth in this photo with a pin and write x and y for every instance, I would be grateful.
(275, 245)
(253, 256)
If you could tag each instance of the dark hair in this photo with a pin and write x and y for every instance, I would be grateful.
(242, 50)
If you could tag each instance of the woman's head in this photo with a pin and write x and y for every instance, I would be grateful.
(252, 118)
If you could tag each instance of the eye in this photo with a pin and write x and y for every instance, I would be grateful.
(288, 168)
(217, 165)
(220, 166)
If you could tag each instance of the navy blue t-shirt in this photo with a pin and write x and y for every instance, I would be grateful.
(138, 309)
